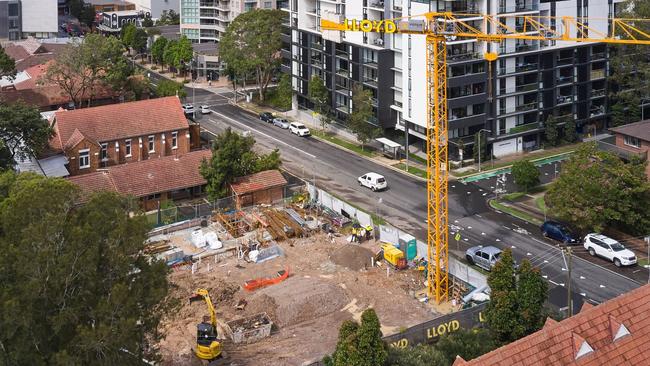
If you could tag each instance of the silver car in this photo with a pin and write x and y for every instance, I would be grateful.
(484, 257)
(281, 122)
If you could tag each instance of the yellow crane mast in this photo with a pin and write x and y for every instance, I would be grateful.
(441, 27)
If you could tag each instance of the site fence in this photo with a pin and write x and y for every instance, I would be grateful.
(187, 212)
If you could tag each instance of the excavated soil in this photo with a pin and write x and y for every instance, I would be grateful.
(352, 256)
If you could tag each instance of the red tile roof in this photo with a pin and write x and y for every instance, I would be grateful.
(558, 344)
(640, 130)
(257, 182)
(118, 121)
(147, 177)
(16, 52)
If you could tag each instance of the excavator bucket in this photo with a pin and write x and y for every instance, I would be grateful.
(196, 297)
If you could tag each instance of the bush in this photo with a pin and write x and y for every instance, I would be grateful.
(186, 81)
(154, 67)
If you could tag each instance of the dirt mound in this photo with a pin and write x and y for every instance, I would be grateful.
(297, 299)
(221, 292)
(352, 256)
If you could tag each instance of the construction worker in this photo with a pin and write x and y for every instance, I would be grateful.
(368, 232)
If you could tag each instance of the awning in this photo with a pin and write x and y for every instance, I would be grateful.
(388, 143)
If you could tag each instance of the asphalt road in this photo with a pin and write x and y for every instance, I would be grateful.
(404, 205)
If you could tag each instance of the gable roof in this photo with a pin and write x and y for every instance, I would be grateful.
(16, 52)
(118, 121)
(559, 344)
(143, 178)
(257, 182)
(639, 130)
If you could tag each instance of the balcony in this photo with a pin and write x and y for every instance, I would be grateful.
(597, 74)
(523, 128)
(517, 68)
(463, 56)
(526, 107)
(520, 88)
(376, 5)
(564, 79)
(370, 82)
(597, 111)
(317, 45)
(343, 109)
(597, 93)
(343, 72)
(621, 152)
(563, 99)
(397, 5)
(518, 7)
(317, 63)
(598, 55)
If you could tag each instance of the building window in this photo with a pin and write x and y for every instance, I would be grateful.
(151, 143)
(632, 141)
(174, 140)
(104, 152)
(84, 159)
(127, 148)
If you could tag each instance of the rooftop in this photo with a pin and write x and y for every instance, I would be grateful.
(258, 182)
(640, 130)
(146, 177)
(616, 332)
(118, 121)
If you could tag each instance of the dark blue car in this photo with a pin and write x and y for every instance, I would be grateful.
(559, 232)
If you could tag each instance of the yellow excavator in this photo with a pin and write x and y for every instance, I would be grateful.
(207, 346)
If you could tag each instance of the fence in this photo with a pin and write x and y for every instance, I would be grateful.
(185, 212)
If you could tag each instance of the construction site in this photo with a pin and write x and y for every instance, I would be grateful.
(282, 279)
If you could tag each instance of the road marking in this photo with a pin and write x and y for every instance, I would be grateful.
(453, 186)
(583, 294)
(553, 282)
(469, 192)
(506, 227)
(466, 239)
(528, 254)
(477, 215)
(482, 233)
(261, 133)
(563, 269)
(562, 284)
(513, 247)
(545, 261)
(480, 190)
(469, 227)
(582, 277)
(484, 194)
(491, 187)
(545, 276)
(602, 286)
(498, 240)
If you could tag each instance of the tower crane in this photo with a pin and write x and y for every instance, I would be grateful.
(443, 27)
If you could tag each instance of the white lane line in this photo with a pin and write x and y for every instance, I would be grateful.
(482, 233)
(261, 133)
(513, 247)
(583, 294)
(466, 239)
(545, 276)
(453, 186)
(545, 261)
(553, 282)
(563, 269)
(498, 240)
(477, 215)
(602, 286)
(469, 227)
(582, 277)
(469, 192)
(484, 194)
(562, 284)
(528, 254)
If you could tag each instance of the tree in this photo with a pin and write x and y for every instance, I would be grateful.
(253, 42)
(346, 346)
(531, 294)
(468, 344)
(371, 346)
(319, 95)
(358, 120)
(158, 49)
(526, 174)
(232, 157)
(597, 189)
(502, 315)
(81, 291)
(625, 109)
(23, 132)
(70, 73)
(127, 34)
(169, 55)
(285, 92)
(147, 22)
(7, 65)
(183, 53)
(570, 134)
(551, 131)
(139, 43)
(420, 355)
(87, 16)
(482, 138)
(168, 88)
(169, 18)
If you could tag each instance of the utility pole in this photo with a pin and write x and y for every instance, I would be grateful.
(570, 299)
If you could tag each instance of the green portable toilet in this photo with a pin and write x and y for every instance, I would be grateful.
(408, 245)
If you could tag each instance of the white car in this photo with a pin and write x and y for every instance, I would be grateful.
(373, 181)
(299, 129)
(205, 109)
(281, 122)
(610, 249)
(188, 108)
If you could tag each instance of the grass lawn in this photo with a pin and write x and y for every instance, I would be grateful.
(539, 201)
(485, 165)
(413, 170)
(513, 196)
(514, 212)
(344, 143)
(418, 159)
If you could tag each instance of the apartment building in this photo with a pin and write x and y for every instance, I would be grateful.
(206, 20)
(511, 98)
(154, 8)
(28, 18)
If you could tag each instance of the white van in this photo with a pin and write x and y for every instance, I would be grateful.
(373, 181)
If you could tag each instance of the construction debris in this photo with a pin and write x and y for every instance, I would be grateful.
(250, 329)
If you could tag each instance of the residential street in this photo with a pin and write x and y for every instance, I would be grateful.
(404, 205)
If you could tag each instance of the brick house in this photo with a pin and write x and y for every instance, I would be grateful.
(616, 332)
(634, 138)
(263, 187)
(151, 181)
(100, 137)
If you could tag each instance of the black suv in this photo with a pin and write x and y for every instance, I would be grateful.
(267, 117)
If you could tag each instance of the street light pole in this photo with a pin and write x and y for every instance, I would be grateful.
(479, 146)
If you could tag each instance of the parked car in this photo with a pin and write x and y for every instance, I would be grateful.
(299, 129)
(267, 117)
(373, 181)
(610, 249)
(205, 109)
(281, 122)
(484, 257)
(559, 232)
(188, 108)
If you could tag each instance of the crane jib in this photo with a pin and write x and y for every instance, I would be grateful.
(370, 26)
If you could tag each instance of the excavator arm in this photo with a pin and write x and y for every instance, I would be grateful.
(207, 346)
